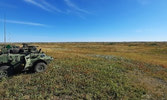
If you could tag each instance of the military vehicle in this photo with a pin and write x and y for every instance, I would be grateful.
(15, 58)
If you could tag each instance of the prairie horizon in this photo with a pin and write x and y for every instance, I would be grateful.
(94, 71)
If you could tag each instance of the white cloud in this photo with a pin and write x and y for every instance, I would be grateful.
(37, 4)
(75, 7)
(50, 6)
(43, 5)
(23, 22)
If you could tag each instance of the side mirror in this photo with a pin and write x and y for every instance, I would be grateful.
(39, 50)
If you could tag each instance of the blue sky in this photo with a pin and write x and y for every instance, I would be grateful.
(84, 20)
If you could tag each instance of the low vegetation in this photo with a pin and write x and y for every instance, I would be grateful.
(95, 71)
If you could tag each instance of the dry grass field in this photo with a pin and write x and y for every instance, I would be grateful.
(118, 71)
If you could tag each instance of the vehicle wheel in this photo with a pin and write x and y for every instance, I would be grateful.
(40, 67)
(5, 71)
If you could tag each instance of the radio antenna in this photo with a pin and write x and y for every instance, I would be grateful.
(9, 38)
(4, 28)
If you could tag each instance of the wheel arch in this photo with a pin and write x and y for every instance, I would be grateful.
(5, 64)
(7, 69)
(38, 61)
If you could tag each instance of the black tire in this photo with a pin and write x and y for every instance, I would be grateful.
(40, 67)
(5, 71)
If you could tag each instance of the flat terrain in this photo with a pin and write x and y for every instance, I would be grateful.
(95, 71)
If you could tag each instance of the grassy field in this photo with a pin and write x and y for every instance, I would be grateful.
(118, 71)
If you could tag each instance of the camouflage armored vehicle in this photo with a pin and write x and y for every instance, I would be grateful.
(14, 58)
